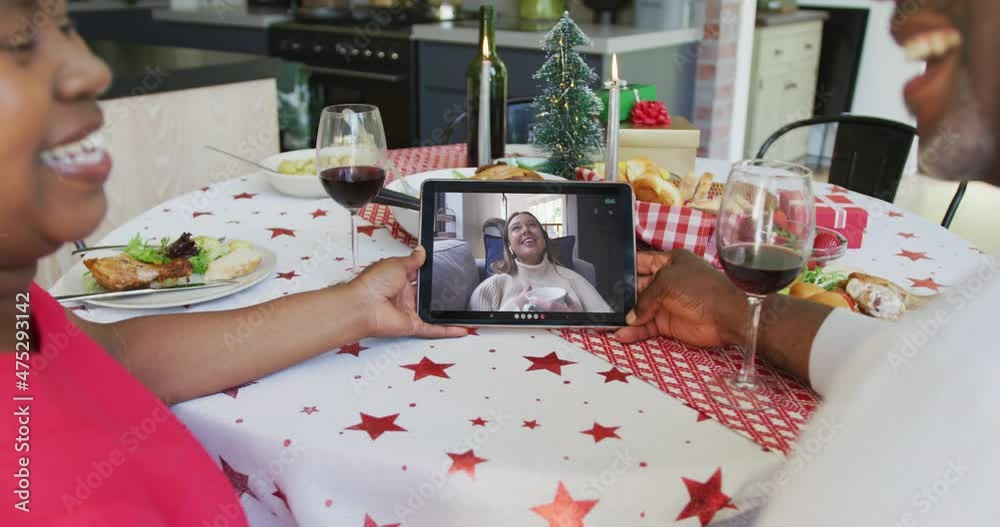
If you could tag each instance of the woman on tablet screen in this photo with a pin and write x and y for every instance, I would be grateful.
(530, 278)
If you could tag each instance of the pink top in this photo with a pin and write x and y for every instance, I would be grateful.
(100, 449)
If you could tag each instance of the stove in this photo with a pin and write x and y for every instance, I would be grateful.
(360, 56)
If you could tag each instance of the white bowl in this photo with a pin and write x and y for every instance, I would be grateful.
(304, 186)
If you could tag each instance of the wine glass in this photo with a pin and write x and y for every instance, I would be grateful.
(351, 159)
(765, 236)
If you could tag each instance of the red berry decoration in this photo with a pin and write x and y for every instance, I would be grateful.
(650, 113)
(827, 240)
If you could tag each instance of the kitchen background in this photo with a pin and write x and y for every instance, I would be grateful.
(191, 73)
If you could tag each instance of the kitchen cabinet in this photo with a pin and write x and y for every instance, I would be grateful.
(783, 86)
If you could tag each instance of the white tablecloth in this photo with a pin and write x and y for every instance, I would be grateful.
(502, 427)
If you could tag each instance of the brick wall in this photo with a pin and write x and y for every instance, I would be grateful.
(716, 76)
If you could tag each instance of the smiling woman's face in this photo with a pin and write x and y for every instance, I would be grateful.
(54, 166)
(526, 239)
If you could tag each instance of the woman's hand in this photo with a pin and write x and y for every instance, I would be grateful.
(385, 291)
(683, 297)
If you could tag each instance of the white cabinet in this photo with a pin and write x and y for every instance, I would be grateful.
(783, 86)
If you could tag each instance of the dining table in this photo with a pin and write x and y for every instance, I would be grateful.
(504, 426)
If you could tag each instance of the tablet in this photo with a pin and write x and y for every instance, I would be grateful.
(526, 253)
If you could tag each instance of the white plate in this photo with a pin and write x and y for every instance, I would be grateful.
(266, 268)
(304, 186)
(408, 219)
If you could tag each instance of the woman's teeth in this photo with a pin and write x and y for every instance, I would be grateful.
(86, 151)
(932, 44)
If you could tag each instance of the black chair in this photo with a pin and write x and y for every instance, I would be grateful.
(869, 154)
(520, 118)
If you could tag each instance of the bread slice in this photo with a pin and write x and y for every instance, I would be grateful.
(654, 189)
(879, 297)
(234, 264)
(123, 273)
(502, 172)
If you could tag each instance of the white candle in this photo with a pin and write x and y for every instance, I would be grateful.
(614, 109)
(484, 154)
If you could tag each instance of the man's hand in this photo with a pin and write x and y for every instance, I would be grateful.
(683, 297)
(385, 291)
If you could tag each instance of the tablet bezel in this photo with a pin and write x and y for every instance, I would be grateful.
(624, 198)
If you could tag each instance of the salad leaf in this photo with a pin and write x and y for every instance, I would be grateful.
(209, 250)
(826, 279)
(458, 174)
(148, 253)
(182, 247)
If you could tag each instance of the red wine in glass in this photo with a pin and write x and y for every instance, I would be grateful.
(761, 269)
(352, 187)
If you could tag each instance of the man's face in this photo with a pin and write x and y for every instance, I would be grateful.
(955, 100)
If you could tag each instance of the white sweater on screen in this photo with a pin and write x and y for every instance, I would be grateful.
(500, 292)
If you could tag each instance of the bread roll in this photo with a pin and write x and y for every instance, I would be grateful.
(653, 188)
(831, 299)
(804, 290)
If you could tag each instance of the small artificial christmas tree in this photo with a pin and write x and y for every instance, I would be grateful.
(567, 128)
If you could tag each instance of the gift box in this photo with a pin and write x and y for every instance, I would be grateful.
(672, 147)
(838, 212)
(629, 96)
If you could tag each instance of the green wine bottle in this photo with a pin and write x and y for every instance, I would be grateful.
(498, 92)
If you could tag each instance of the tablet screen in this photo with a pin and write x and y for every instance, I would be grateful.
(527, 253)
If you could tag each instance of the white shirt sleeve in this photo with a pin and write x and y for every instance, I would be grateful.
(841, 336)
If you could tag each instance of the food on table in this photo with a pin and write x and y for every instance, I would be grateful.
(835, 298)
(879, 297)
(688, 186)
(123, 272)
(805, 290)
(238, 262)
(298, 167)
(827, 240)
(704, 187)
(653, 188)
(142, 263)
(500, 172)
(871, 295)
(307, 166)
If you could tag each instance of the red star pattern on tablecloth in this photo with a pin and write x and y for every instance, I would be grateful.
(428, 368)
(376, 426)
(353, 348)
(369, 522)
(199, 214)
(204, 189)
(244, 195)
(614, 374)
(308, 410)
(837, 189)
(280, 494)
(317, 213)
(550, 362)
(702, 416)
(533, 424)
(465, 462)
(928, 283)
(913, 256)
(287, 276)
(564, 511)
(706, 499)
(471, 331)
(894, 214)
(281, 231)
(235, 390)
(600, 432)
(368, 229)
(239, 480)
(907, 235)
(479, 421)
